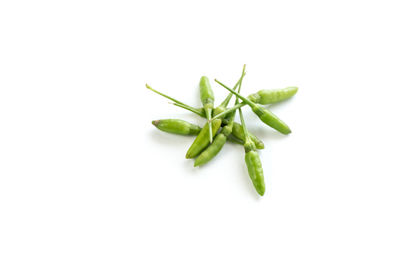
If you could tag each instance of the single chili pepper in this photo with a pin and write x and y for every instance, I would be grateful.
(237, 129)
(177, 126)
(253, 162)
(207, 99)
(265, 115)
(269, 96)
(212, 150)
(201, 141)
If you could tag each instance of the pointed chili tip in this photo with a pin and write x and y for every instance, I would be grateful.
(195, 164)
(261, 190)
(156, 122)
(148, 86)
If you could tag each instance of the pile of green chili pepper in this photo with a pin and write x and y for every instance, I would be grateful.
(221, 127)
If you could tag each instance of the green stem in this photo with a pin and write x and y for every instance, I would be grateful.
(210, 130)
(245, 100)
(229, 110)
(228, 98)
(192, 109)
(232, 116)
(166, 96)
(240, 85)
(246, 133)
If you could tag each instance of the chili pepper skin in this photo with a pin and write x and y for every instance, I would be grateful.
(254, 168)
(237, 131)
(177, 126)
(211, 151)
(201, 141)
(265, 96)
(271, 119)
(206, 93)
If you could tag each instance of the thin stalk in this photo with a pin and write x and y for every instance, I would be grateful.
(229, 110)
(245, 100)
(210, 130)
(192, 109)
(232, 117)
(228, 98)
(246, 133)
(166, 96)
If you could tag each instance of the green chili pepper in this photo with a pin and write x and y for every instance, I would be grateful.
(265, 115)
(253, 162)
(177, 126)
(201, 141)
(207, 99)
(216, 146)
(265, 96)
(254, 168)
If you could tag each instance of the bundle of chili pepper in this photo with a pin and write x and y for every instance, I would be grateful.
(220, 126)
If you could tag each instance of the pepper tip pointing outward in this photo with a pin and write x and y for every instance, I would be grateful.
(156, 122)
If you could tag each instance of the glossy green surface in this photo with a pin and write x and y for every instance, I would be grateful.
(269, 96)
(271, 119)
(177, 126)
(211, 151)
(255, 170)
(202, 141)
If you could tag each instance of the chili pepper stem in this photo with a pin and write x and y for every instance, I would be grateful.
(164, 95)
(228, 98)
(229, 110)
(245, 100)
(190, 108)
(210, 131)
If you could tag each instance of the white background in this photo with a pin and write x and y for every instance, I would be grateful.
(86, 180)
